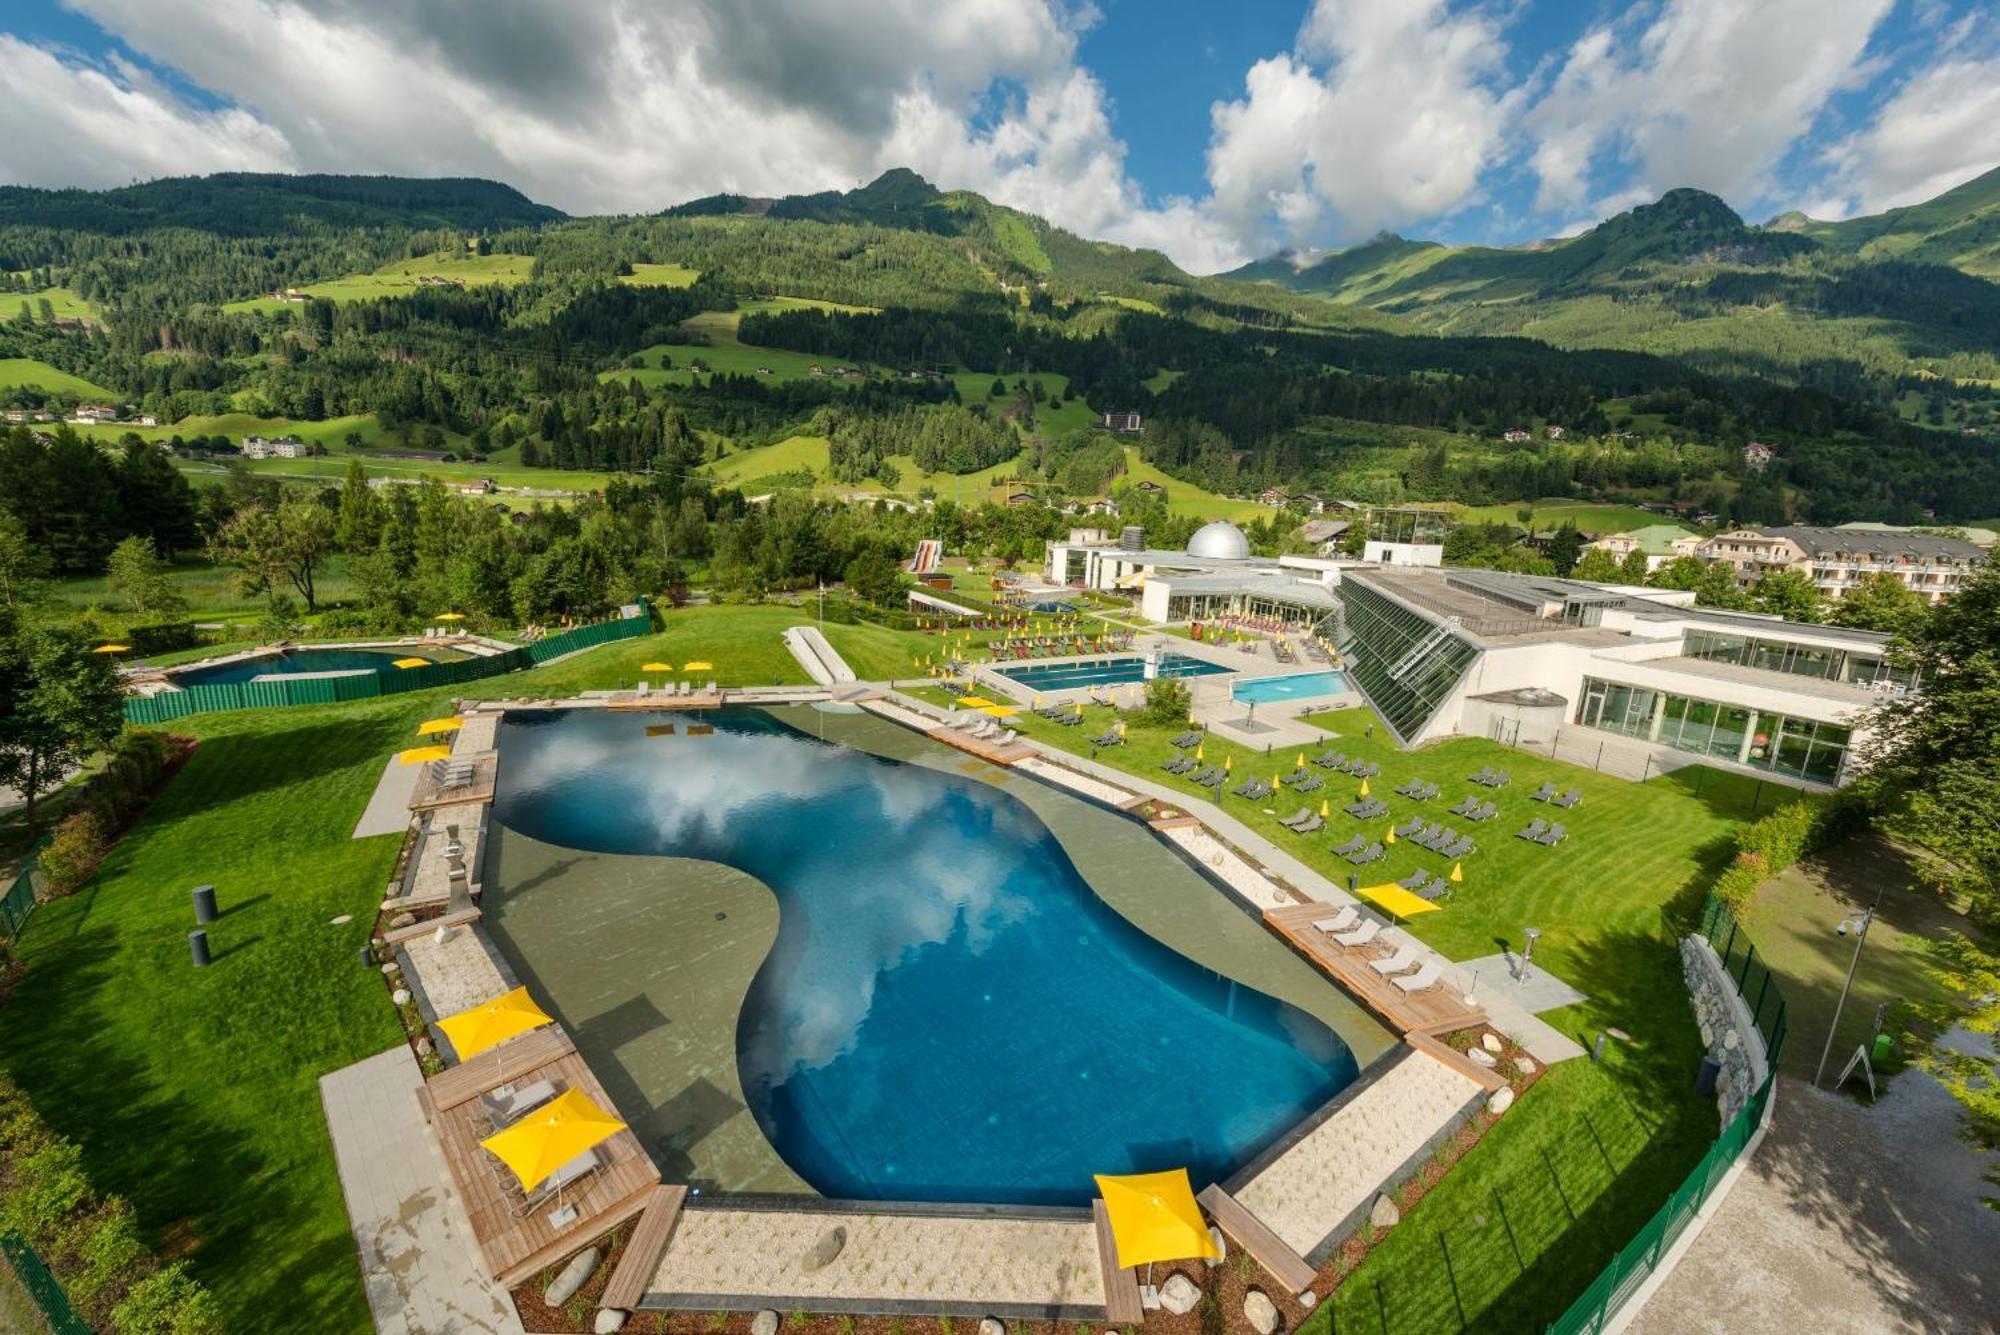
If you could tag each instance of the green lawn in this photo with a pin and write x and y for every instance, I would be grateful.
(1185, 498)
(797, 454)
(402, 277)
(63, 303)
(16, 372)
(1553, 512)
(661, 275)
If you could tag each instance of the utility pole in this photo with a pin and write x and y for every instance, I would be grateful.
(1859, 923)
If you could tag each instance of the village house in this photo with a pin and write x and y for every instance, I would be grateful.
(1326, 535)
(284, 447)
(1120, 422)
(1555, 433)
(1660, 542)
(1273, 496)
(1837, 558)
(1151, 488)
(1516, 436)
(1757, 455)
(90, 413)
(485, 486)
(1021, 498)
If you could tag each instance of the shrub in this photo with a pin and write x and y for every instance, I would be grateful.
(168, 1303)
(1167, 703)
(1770, 845)
(73, 853)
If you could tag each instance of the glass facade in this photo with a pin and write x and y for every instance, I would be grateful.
(1405, 663)
(1802, 660)
(1802, 748)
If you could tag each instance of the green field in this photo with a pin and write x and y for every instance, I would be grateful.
(661, 275)
(1185, 498)
(402, 277)
(1553, 512)
(63, 304)
(16, 372)
(809, 454)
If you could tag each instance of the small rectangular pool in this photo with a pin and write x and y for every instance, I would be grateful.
(1305, 685)
(1119, 671)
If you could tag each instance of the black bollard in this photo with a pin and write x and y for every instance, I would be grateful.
(1705, 1080)
(198, 948)
(367, 957)
(204, 903)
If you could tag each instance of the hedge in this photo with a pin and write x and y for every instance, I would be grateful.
(1770, 845)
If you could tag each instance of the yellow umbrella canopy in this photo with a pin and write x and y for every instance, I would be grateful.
(975, 702)
(431, 727)
(491, 1023)
(1458, 873)
(1396, 899)
(112, 649)
(697, 667)
(449, 616)
(1390, 837)
(656, 667)
(412, 662)
(551, 1136)
(1325, 808)
(1364, 788)
(417, 755)
(1000, 711)
(1154, 1218)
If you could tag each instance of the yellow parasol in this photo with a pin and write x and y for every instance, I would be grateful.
(1228, 764)
(112, 649)
(1154, 1217)
(430, 727)
(1000, 711)
(1396, 899)
(1390, 837)
(417, 755)
(975, 702)
(1299, 761)
(1199, 747)
(1364, 788)
(1325, 809)
(493, 1022)
(1458, 873)
(552, 1135)
(412, 662)
(697, 666)
(656, 667)
(449, 616)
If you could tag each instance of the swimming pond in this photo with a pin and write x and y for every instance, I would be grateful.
(293, 662)
(1300, 686)
(1106, 672)
(948, 1012)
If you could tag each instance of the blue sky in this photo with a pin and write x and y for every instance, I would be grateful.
(1213, 132)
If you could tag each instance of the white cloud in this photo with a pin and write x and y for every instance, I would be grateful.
(1934, 133)
(1389, 110)
(1710, 93)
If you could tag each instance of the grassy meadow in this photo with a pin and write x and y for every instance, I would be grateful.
(63, 304)
(402, 277)
(19, 372)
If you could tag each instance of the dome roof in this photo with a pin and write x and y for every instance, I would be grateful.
(1219, 540)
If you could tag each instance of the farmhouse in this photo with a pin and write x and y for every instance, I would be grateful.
(1757, 455)
(1120, 422)
(284, 447)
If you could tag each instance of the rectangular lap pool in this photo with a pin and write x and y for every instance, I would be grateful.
(1105, 672)
(1263, 690)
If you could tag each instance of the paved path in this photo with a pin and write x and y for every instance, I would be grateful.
(417, 1257)
(1850, 1220)
(388, 810)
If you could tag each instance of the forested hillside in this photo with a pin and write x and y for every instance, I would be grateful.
(897, 339)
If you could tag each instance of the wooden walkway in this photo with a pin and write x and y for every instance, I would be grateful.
(641, 1257)
(1265, 1247)
(513, 1246)
(430, 793)
(1121, 1287)
(996, 753)
(1439, 1009)
(660, 701)
(457, 1084)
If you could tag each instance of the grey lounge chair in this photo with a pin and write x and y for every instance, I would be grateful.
(1466, 806)
(1297, 817)
(1367, 771)
(1485, 775)
(1543, 794)
(1423, 979)
(1403, 957)
(1483, 812)
(1414, 879)
(1409, 789)
(1501, 780)
(1462, 847)
(1438, 888)
(1310, 783)
(1410, 828)
(1536, 828)
(1312, 824)
(1359, 935)
(1246, 788)
(1349, 848)
(1430, 791)
(1568, 799)
(1552, 836)
(1372, 853)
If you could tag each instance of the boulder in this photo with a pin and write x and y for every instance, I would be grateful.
(400, 997)
(442, 934)
(1260, 1312)
(609, 1321)
(1526, 1065)
(565, 1285)
(764, 1323)
(1179, 1295)
(1491, 1042)
(1385, 1213)
(1308, 1300)
(1502, 1100)
(341, 920)
(404, 919)
(391, 969)
(1221, 1246)
(1483, 1057)
(825, 1250)
(991, 1326)
(423, 1045)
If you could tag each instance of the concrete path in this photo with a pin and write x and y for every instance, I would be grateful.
(1850, 1220)
(417, 1257)
(388, 810)
(820, 659)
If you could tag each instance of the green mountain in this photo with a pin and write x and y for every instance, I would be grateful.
(261, 204)
(897, 198)
(1960, 228)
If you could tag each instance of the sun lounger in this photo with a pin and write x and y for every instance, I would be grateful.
(1353, 845)
(1310, 783)
(1372, 853)
(1410, 789)
(643, 689)
(1244, 789)
(1568, 799)
(504, 1106)
(1460, 847)
(1404, 957)
(1543, 794)
(1297, 817)
(1423, 979)
(1367, 771)
(1536, 828)
(1413, 880)
(1186, 740)
(1466, 806)
(1437, 888)
(552, 1187)
(1485, 775)
(1358, 936)
(1260, 790)
(1343, 919)
(1430, 791)
(1410, 828)
(1483, 812)
(1110, 738)
(1311, 825)
(1552, 836)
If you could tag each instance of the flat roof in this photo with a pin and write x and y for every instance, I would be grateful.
(1817, 688)
(1268, 583)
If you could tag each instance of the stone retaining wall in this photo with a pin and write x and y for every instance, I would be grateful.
(1728, 1030)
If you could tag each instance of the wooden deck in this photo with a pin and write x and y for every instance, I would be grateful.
(1439, 1009)
(660, 701)
(641, 1257)
(1121, 1287)
(1265, 1247)
(514, 1248)
(430, 793)
(459, 1083)
(992, 752)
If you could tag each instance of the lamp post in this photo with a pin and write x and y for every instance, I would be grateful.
(1858, 924)
(1529, 937)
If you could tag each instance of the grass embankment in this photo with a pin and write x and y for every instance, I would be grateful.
(19, 372)
(1592, 1150)
(402, 277)
(1552, 513)
(63, 304)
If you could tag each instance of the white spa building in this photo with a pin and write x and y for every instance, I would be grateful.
(1452, 652)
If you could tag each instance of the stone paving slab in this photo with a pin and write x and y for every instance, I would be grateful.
(455, 974)
(1499, 975)
(388, 809)
(417, 1258)
(921, 1259)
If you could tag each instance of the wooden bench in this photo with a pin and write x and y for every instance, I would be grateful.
(648, 1243)
(1121, 1287)
(1265, 1247)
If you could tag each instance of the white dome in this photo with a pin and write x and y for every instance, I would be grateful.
(1219, 540)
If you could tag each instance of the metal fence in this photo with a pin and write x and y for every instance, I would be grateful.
(1614, 1286)
(20, 899)
(276, 692)
(42, 1286)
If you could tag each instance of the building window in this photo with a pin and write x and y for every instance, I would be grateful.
(1802, 748)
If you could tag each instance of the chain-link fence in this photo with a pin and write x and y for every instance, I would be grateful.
(20, 899)
(42, 1287)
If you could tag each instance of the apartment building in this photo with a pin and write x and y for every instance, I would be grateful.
(1839, 558)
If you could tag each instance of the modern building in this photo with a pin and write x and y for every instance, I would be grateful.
(1443, 653)
(284, 447)
(1406, 535)
(1216, 576)
(1660, 542)
(1839, 558)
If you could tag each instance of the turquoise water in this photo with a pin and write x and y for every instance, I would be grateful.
(287, 662)
(949, 1013)
(1263, 690)
(1105, 672)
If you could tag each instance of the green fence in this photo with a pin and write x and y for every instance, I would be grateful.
(1638, 1259)
(277, 692)
(19, 901)
(42, 1286)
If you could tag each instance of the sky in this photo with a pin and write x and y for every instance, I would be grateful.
(1217, 133)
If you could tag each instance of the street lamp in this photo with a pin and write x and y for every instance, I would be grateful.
(1530, 936)
(1857, 924)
